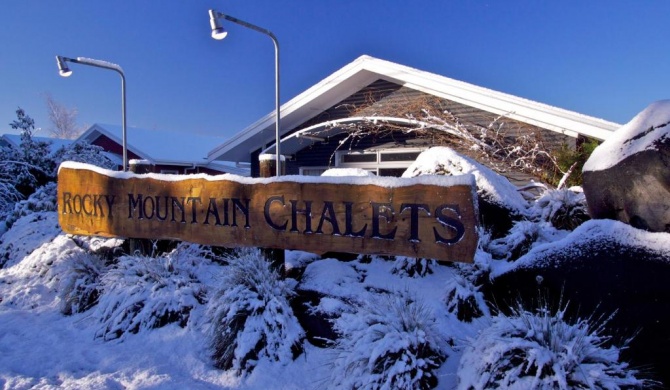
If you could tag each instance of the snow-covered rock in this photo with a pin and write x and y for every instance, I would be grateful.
(628, 177)
(499, 200)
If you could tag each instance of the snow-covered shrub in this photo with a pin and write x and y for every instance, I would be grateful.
(564, 209)
(517, 242)
(541, 350)
(251, 315)
(464, 299)
(412, 267)
(389, 343)
(30, 165)
(85, 153)
(463, 296)
(143, 293)
(43, 199)
(523, 236)
(33, 275)
(26, 235)
(80, 283)
(9, 195)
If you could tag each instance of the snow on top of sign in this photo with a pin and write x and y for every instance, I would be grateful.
(635, 136)
(339, 172)
(387, 182)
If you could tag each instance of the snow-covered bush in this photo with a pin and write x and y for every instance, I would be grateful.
(389, 343)
(464, 299)
(251, 315)
(79, 283)
(30, 165)
(85, 153)
(143, 293)
(517, 242)
(412, 267)
(43, 199)
(35, 274)
(523, 236)
(565, 209)
(463, 295)
(9, 195)
(541, 350)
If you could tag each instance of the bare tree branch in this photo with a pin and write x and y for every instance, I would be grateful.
(503, 149)
(62, 118)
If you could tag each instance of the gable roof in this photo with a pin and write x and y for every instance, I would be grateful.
(366, 70)
(162, 147)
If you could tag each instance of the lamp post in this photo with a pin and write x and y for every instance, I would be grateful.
(218, 33)
(65, 71)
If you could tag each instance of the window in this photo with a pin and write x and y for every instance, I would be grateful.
(312, 171)
(383, 161)
(398, 156)
(358, 158)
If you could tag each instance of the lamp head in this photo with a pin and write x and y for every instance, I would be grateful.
(218, 32)
(63, 69)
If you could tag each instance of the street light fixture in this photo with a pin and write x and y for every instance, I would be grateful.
(65, 71)
(218, 33)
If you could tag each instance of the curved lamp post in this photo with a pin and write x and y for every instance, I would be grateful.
(65, 71)
(218, 32)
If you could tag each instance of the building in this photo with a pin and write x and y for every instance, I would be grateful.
(378, 115)
(166, 152)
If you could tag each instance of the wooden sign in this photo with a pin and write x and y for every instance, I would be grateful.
(429, 217)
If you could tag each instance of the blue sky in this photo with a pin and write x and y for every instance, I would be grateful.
(607, 59)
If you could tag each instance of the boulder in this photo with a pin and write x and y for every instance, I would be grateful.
(627, 178)
(601, 270)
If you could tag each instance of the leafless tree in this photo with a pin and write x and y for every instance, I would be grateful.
(494, 142)
(63, 119)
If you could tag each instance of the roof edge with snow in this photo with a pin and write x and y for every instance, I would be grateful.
(365, 70)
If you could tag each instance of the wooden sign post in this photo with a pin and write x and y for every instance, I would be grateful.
(429, 217)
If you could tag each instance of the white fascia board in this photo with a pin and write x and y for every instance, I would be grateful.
(309, 103)
(528, 111)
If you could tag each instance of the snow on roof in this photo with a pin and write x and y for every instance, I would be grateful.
(639, 134)
(158, 146)
(14, 140)
(365, 70)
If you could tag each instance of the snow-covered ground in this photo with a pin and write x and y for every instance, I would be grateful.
(40, 347)
(77, 313)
